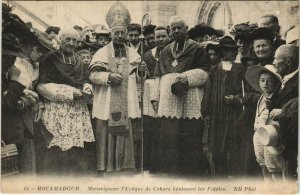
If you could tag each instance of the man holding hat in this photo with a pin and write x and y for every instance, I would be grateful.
(178, 95)
(222, 89)
(286, 103)
(265, 139)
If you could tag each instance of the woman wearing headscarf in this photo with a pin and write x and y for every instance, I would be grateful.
(65, 90)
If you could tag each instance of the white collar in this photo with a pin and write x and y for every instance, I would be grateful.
(153, 51)
(287, 77)
(259, 107)
(135, 47)
(226, 65)
(269, 96)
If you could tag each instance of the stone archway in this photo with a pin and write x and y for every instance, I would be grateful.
(207, 10)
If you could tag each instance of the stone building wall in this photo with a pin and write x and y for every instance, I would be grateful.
(196, 12)
(161, 11)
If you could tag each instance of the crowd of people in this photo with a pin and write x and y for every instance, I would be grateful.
(212, 105)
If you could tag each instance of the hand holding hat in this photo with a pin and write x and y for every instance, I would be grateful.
(275, 113)
(180, 87)
(182, 78)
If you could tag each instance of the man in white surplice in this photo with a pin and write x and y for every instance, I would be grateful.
(116, 103)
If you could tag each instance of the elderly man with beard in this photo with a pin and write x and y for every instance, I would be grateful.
(116, 103)
(65, 92)
(178, 95)
(151, 122)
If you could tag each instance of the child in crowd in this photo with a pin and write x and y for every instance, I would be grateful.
(86, 58)
(265, 140)
(102, 36)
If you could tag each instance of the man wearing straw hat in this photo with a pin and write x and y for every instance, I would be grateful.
(265, 139)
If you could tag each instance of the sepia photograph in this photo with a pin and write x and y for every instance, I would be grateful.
(149, 97)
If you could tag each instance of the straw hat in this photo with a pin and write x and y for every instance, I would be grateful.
(275, 149)
(179, 89)
(253, 72)
(268, 135)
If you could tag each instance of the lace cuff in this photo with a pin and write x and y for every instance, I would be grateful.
(56, 92)
(196, 77)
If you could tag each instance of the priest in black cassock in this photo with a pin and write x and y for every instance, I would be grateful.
(180, 76)
(151, 122)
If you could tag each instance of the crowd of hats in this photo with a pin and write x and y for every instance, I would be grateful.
(17, 33)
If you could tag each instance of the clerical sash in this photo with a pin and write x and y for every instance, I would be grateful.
(118, 116)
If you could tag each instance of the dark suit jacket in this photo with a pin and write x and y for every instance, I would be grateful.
(289, 92)
(288, 132)
(151, 62)
(278, 42)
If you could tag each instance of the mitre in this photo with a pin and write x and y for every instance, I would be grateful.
(118, 16)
